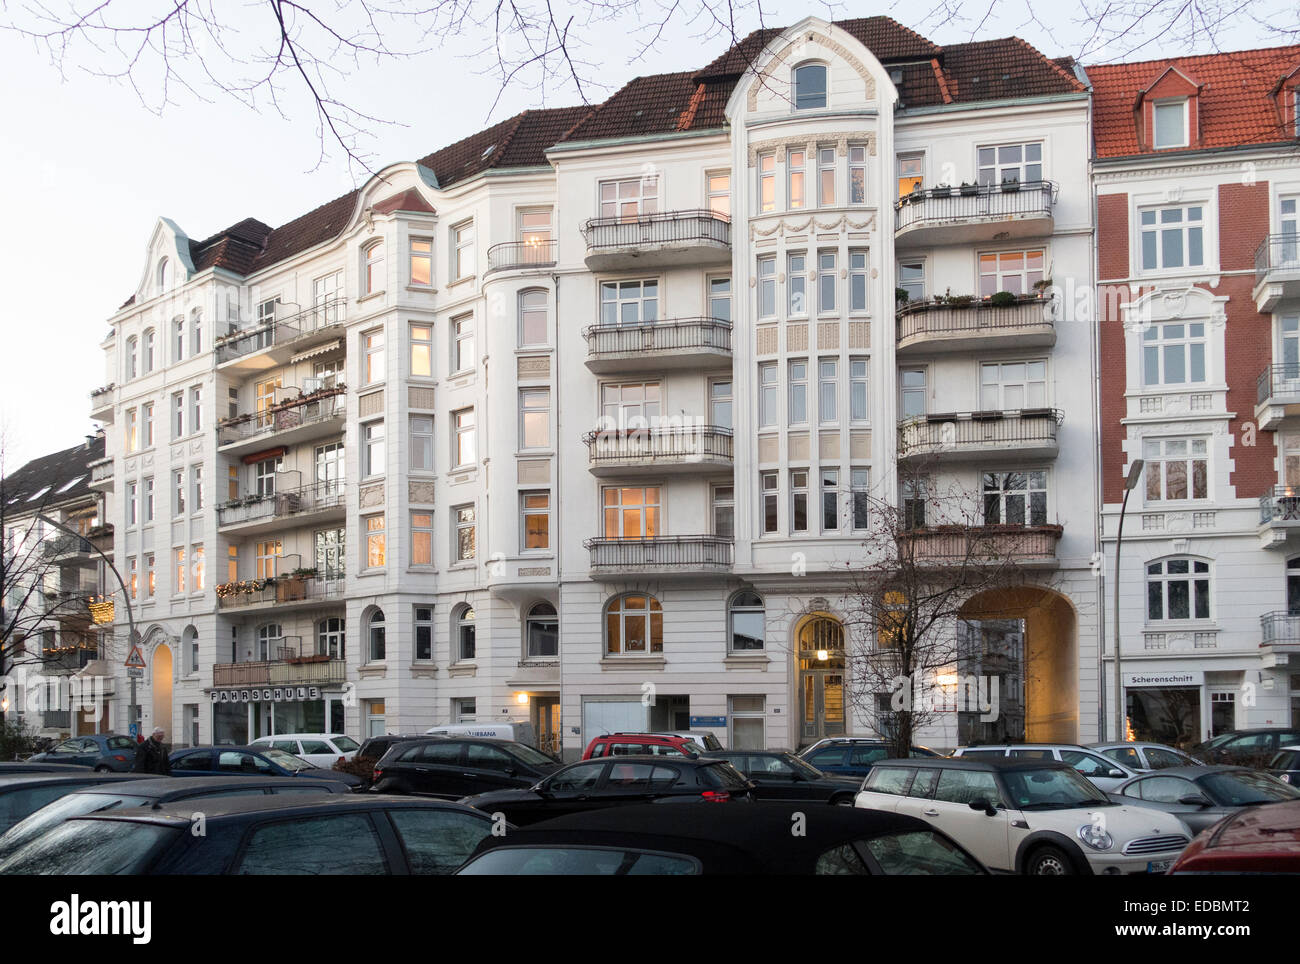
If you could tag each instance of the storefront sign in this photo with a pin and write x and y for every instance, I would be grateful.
(708, 721)
(267, 694)
(1190, 677)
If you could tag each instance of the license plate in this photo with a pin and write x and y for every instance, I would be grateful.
(1159, 866)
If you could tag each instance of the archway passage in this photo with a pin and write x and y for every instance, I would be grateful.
(819, 647)
(1026, 641)
(162, 691)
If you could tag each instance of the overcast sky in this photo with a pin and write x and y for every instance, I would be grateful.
(87, 170)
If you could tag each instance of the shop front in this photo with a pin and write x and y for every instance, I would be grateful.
(1166, 706)
(244, 713)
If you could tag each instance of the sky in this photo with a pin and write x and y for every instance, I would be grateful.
(87, 168)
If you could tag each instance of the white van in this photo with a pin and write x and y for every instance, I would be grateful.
(517, 731)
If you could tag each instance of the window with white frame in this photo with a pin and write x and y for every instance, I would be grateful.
(629, 198)
(747, 632)
(376, 543)
(1001, 163)
(827, 390)
(1013, 271)
(464, 447)
(911, 279)
(147, 499)
(269, 639)
(718, 189)
(330, 467)
(196, 409)
(178, 567)
(147, 352)
(178, 338)
(466, 633)
(830, 500)
(178, 492)
(421, 538)
(858, 409)
(535, 418)
(535, 236)
(720, 299)
(720, 403)
(196, 568)
(634, 626)
(912, 392)
(796, 284)
(131, 431)
(1008, 386)
(911, 173)
(131, 357)
(630, 512)
(372, 449)
(748, 716)
(266, 312)
(150, 576)
(535, 512)
(767, 287)
(462, 251)
(826, 176)
(769, 485)
(164, 274)
(196, 331)
(462, 344)
(767, 399)
(178, 415)
(799, 500)
(330, 552)
(860, 491)
(629, 302)
(858, 271)
(1176, 469)
(542, 632)
(331, 637)
(826, 281)
(376, 637)
(196, 488)
(1170, 123)
(421, 443)
(857, 175)
(328, 299)
(372, 361)
(266, 559)
(421, 262)
(1173, 237)
(767, 182)
(797, 386)
(809, 82)
(795, 161)
(422, 351)
(1173, 353)
(1015, 498)
(466, 532)
(147, 424)
(629, 405)
(1178, 589)
(464, 710)
(532, 317)
(724, 511)
(423, 620)
(372, 269)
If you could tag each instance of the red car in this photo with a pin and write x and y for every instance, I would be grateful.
(658, 744)
(1256, 840)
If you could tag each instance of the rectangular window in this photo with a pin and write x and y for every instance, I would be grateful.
(1173, 354)
(421, 443)
(767, 414)
(232, 482)
(330, 555)
(146, 353)
(196, 331)
(462, 259)
(799, 500)
(535, 236)
(796, 284)
(178, 492)
(720, 402)
(133, 577)
(376, 544)
(421, 539)
(1176, 469)
(1013, 271)
(328, 300)
(830, 500)
(912, 392)
(150, 576)
(827, 390)
(857, 281)
(266, 312)
(1178, 589)
(630, 513)
(372, 268)
(147, 409)
(720, 299)
(422, 261)
(372, 348)
(911, 279)
(196, 409)
(629, 199)
(767, 182)
(1173, 237)
(1008, 386)
(911, 173)
(629, 302)
(232, 563)
(858, 389)
(724, 511)
(148, 501)
(1015, 498)
(798, 387)
(466, 541)
(914, 495)
(769, 484)
(857, 175)
(827, 277)
(464, 451)
(719, 191)
(767, 287)
(632, 405)
(535, 418)
(861, 493)
(196, 567)
(423, 633)
(178, 415)
(264, 398)
(794, 172)
(536, 511)
(422, 351)
(196, 488)
(132, 510)
(1010, 162)
(532, 318)
(131, 431)
(462, 344)
(372, 444)
(826, 176)
(178, 338)
(1170, 123)
(267, 559)
(179, 585)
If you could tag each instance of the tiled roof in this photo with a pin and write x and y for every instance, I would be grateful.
(1236, 101)
(657, 104)
(1004, 69)
(52, 472)
(408, 200)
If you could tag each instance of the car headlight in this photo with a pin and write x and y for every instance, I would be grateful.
(1095, 837)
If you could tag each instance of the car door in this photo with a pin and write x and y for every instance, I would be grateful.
(772, 777)
(1098, 769)
(344, 843)
(243, 763)
(949, 809)
(487, 768)
(1130, 756)
(565, 791)
(626, 783)
(438, 769)
(830, 759)
(862, 758)
(1159, 758)
(196, 764)
(1165, 792)
(918, 793)
(885, 789)
(318, 753)
(438, 841)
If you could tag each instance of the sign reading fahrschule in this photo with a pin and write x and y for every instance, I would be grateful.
(266, 694)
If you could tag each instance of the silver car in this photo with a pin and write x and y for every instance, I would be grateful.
(1104, 773)
(1145, 757)
(1201, 796)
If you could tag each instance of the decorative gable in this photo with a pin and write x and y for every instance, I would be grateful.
(1167, 112)
(1286, 101)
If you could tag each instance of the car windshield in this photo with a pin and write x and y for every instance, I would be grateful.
(1052, 789)
(920, 852)
(346, 743)
(526, 753)
(1240, 788)
(73, 805)
(286, 760)
(578, 861)
(91, 847)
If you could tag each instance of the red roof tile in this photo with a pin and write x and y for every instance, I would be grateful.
(408, 200)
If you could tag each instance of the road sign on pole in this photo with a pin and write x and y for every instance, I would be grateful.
(135, 660)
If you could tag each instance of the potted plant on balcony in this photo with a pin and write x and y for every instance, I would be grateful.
(1002, 299)
(901, 297)
(968, 189)
(1041, 288)
(293, 586)
(1010, 185)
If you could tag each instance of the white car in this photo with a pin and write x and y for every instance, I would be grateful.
(1026, 816)
(1103, 771)
(318, 749)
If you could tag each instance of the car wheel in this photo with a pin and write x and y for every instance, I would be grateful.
(103, 769)
(844, 801)
(1049, 862)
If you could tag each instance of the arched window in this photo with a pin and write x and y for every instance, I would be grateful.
(634, 626)
(465, 632)
(543, 631)
(1178, 589)
(532, 317)
(330, 637)
(748, 623)
(376, 635)
(146, 354)
(373, 269)
(190, 649)
(132, 357)
(821, 633)
(269, 639)
(809, 86)
(164, 274)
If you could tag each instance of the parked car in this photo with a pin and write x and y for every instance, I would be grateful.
(1201, 796)
(117, 795)
(750, 840)
(24, 793)
(1025, 815)
(636, 744)
(453, 768)
(1145, 757)
(8, 768)
(254, 761)
(1285, 765)
(317, 834)
(852, 756)
(101, 751)
(1255, 747)
(318, 749)
(1254, 840)
(1104, 772)
(514, 731)
(618, 782)
(778, 775)
(704, 738)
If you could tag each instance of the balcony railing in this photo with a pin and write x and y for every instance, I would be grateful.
(281, 504)
(981, 545)
(661, 553)
(946, 205)
(977, 432)
(1277, 252)
(322, 405)
(56, 719)
(665, 237)
(690, 444)
(278, 591)
(1280, 506)
(677, 334)
(68, 545)
(282, 331)
(1279, 629)
(522, 254)
(955, 320)
(101, 472)
(1277, 381)
(294, 670)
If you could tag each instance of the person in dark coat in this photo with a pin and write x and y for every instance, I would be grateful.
(151, 755)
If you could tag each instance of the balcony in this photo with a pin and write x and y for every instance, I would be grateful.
(967, 324)
(290, 670)
(998, 545)
(281, 592)
(272, 343)
(673, 344)
(1280, 631)
(984, 212)
(1277, 271)
(675, 450)
(522, 255)
(70, 550)
(660, 240)
(662, 556)
(1027, 434)
(102, 401)
(285, 507)
(1277, 395)
(1279, 515)
(101, 538)
(101, 475)
(303, 415)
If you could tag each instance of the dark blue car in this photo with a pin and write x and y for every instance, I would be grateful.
(101, 751)
(852, 757)
(260, 761)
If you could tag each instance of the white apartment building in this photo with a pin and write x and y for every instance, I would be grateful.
(579, 419)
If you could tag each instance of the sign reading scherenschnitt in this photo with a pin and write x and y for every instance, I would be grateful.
(1185, 677)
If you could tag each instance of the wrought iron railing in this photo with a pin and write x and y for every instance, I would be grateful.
(981, 545)
(67, 546)
(292, 671)
(682, 443)
(1279, 629)
(939, 205)
(1277, 380)
(674, 334)
(936, 434)
(283, 589)
(522, 254)
(282, 331)
(320, 406)
(1280, 505)
(290, 502)
(662, 227)
(1277, 252)
(978, 317)
(661, 552)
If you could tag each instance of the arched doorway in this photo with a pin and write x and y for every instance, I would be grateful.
(162, 691)
(1025, 639)
(819, 648)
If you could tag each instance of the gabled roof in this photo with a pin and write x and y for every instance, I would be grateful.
(1237, 105)
(52, 472)
(408, 200)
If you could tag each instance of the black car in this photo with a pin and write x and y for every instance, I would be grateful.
(375, 747)
(853, 756)
(12, 767)
(24, 793)
(251, 761)
(618, 782)
(316, 834)
(1285, 765)
(777, 775)
(1254, 747)
(147, 792)
(452, 768)
(755, 839)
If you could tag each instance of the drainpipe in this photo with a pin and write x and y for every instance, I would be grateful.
(1097, 493)
(555, 519)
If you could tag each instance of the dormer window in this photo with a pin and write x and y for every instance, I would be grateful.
(1170, 123)
(809, 86)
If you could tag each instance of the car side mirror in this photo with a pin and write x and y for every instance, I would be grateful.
(511, 772)
(1195, 800)
(1117, 774)
(980, 803)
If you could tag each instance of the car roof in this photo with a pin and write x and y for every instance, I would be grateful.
(21, 781)
(160, 788)
(695, 758)
(1024, 746)
(981, 763)
(300, 736)
(1270, 826)
(181, 812)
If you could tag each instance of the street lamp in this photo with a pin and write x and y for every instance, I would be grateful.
(1130, 483)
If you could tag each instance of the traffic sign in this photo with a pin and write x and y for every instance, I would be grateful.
(134, 672)
(135, 660)
(135, 730)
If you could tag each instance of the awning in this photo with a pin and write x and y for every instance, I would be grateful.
(325, 349)
(268, 454)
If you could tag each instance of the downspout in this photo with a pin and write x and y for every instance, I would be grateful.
(1095, 359)
(555, 518)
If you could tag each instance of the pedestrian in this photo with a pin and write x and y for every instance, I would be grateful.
(151, 755)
